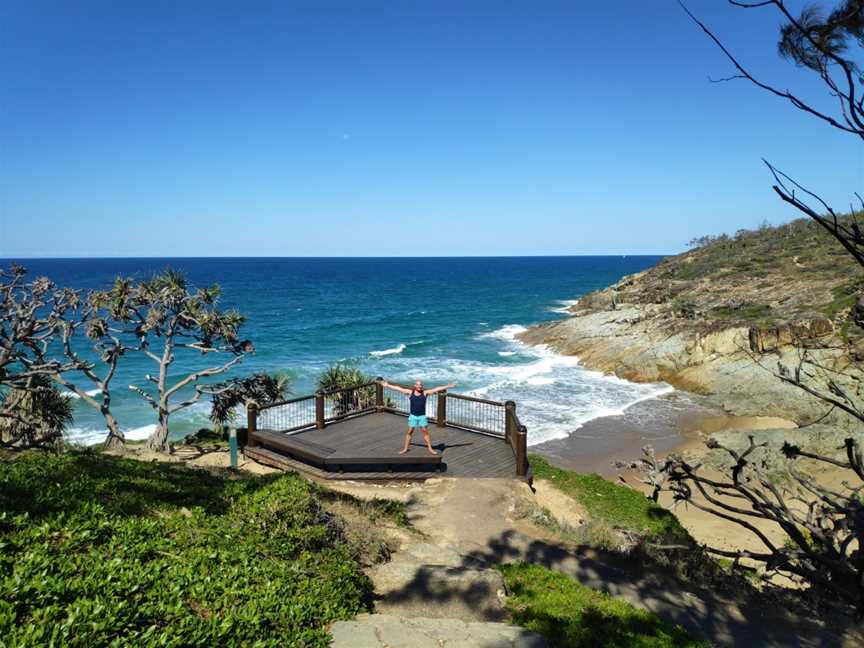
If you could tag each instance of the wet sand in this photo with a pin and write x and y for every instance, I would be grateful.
(674, 422)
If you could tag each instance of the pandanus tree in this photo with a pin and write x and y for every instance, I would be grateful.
(259, 388)
(168, 318)
(31, 314)
(43, 413)
(100, 318)
(338, 380)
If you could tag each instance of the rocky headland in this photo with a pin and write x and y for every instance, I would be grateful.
(719, 320)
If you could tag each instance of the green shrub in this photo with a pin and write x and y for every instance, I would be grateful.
(617, 506)
(96, 550)
(569, 614)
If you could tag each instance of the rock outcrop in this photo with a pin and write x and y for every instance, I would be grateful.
(717, 321)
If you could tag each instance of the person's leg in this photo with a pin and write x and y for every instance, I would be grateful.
(407, 440)
(426, 438)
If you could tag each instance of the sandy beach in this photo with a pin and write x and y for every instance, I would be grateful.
(674, 422)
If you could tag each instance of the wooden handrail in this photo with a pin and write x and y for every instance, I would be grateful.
(475, 399)
(345, 389)
(285, 402)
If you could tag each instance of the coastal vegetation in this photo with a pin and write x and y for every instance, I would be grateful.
(821, 523)
(98, 550)
(168, 317)
(337, 381)
(261, 388)
(43, 413)
(159, 318)
(616, 506)
(569, 614)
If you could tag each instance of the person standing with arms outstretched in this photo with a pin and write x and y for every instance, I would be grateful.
(417, 415)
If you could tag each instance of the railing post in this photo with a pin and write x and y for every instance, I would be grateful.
(441, 415)
(379, 393)
(522, 451)
(319, 410)
(251, 423)
(509, 421)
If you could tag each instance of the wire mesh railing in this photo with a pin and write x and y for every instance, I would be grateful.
(399, 402)
(287, 416)
(477, 414)
(342, 403)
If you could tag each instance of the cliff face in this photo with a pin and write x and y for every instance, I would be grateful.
(716, 320)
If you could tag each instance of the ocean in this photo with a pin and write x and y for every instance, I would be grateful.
(437, 319)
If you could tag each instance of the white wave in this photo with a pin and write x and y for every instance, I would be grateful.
(563, 306)
(555, 394)
(72, 394)
(387, 352)
(508, 332)
(92, 436)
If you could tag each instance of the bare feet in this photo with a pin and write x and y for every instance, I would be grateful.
(432, 452)
(403, 451)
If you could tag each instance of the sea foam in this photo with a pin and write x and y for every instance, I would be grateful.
(563, 306)
(386, 352)
(72, 394)
(555, 394)
(92, 436)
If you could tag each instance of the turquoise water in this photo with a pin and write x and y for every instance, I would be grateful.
(438, 319)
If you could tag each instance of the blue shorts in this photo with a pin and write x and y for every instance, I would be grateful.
(417, 421)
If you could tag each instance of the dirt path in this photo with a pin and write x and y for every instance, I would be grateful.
(465, 527)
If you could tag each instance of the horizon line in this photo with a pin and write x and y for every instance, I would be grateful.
(460, 256)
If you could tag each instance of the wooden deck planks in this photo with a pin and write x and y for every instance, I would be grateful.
(465, 453)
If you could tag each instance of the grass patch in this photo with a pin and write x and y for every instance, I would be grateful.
(617, 506)
(568, 614)
(98, 550)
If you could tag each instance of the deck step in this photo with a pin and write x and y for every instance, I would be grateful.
(275, 459)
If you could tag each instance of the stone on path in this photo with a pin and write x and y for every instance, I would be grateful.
(386, 631)
(439, 591)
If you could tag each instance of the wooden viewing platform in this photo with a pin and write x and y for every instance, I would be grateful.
(356, 433)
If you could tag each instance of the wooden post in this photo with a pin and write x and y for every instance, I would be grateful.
(251, 424)
(509, 421)
(319, 410)
(379, 393)
(441, 416)
(522, 451)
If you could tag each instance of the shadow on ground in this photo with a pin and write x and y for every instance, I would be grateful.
(720, 618)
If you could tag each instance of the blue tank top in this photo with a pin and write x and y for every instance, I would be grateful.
(418, 404)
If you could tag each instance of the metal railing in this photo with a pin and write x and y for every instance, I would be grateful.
(481, 415)
(399, 403)
(477, 414)
(288, 415)
(342, 403)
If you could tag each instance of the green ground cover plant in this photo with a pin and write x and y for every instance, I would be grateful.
(569, 614)
(617, 506)
(99, 550)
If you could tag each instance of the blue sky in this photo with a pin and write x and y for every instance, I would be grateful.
(393, 128)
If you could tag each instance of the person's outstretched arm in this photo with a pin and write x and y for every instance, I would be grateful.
(435, 390)
(398, 388)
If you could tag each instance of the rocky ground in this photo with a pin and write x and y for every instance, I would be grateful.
(723, 320)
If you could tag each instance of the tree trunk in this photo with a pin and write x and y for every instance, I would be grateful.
(158, 441)
(115, 439)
